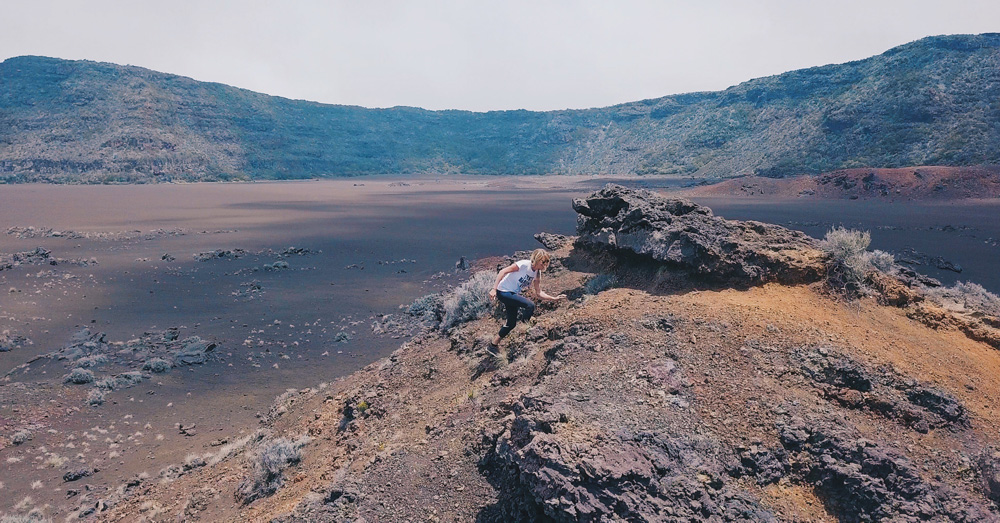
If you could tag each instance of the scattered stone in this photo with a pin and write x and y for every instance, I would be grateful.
(193, 351)
(74, 475)
(220, 253)
(9, 342)
(297, 251)
(276, 266)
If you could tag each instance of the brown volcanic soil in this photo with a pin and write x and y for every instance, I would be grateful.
(658, 356)
(909, 183)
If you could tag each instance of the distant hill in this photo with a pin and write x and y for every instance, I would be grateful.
(910, 183)
(935, 101)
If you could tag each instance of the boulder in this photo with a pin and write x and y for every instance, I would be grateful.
(571, 475)
(686, 235)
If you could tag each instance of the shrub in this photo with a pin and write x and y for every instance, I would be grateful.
(156, 365)
(21, 436)
(970, 295)
(121, 381)
(601, 282)
(850, 262)
(79, 376)
(92, 361)
(271, 460)
(95, 397)
(843, 243)
(469, 301)
(31, 517)
(883, 261)
(427, 304)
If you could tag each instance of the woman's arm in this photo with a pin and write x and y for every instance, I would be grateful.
(537, 287)
(507, 270)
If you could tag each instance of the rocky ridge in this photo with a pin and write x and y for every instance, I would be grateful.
(86, 122)
(649, 401)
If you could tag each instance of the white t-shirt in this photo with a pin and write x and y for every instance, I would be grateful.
(518, 280)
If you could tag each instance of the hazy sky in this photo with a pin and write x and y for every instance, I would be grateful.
(479, 55)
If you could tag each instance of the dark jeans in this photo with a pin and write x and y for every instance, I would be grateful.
(513, 301)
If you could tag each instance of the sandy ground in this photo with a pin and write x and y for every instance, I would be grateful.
(406, 234)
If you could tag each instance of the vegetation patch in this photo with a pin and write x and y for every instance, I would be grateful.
(269, 463)
(469, 301)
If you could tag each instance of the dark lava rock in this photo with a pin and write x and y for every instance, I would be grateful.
(989, 469)
(10, 341)
(74, 475)
(337, 502)
(860, 480)
(939, 402)
(644, 476)
(193, 350)
(836, 370)
(220, 253)
(552, 242)
(38, 256)
(682, 233)
(882, 391)
(767, 466)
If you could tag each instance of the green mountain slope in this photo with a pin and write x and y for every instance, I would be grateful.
(933, 101)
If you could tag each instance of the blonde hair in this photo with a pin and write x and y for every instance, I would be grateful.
(540, 256)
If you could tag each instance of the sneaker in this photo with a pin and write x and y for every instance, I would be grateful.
(493, 350)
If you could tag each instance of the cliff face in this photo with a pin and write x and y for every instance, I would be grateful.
(930, 102)
(649, 401)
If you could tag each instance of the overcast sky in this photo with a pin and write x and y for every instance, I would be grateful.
(479, 55)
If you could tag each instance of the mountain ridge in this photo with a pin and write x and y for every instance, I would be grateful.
(932, 101)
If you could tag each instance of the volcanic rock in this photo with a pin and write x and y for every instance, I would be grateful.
(684, 234)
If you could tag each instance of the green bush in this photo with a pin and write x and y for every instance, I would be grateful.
(121, 381)
(850, 262)
(270, 461)
(95, 397)
(156, 365)
(21, 436)
(468, 301)
(970, 295)
(79, 376)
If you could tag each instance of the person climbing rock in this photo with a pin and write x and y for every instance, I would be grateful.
(510, 286)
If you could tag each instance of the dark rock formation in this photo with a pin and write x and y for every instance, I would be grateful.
(552, 242)
(74, 475)
(882, 391)
(684, 234)
(861, 480)
(644, 476)
(10, 341)
(38, 256)
(989, 469)
(220, 253)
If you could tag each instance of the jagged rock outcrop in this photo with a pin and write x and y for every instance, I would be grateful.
(571, 476)
(684, 234)
(863, 480)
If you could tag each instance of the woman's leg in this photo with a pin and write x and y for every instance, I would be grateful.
(512, 302)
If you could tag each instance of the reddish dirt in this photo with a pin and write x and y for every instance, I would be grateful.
(415, 451)
(906, 183)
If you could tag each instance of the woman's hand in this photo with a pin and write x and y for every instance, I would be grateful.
(493, 294)
(548, 297)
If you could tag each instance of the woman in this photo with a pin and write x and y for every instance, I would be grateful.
(514, 280)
